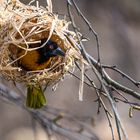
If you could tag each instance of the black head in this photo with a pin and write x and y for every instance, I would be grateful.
(51, 49)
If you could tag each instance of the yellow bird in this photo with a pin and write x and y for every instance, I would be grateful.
(38, 59)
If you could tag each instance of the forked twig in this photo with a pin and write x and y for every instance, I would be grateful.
(107, 83)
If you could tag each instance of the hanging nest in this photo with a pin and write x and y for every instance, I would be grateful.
(22, 26)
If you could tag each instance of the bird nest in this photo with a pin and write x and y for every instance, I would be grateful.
(23, 25)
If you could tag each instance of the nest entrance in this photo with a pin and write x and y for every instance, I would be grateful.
(23, 28)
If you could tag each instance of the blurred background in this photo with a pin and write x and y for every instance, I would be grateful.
(117, 23)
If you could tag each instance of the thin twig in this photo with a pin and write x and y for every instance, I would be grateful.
(100, 101)
(78, 78)
(90, 27)
(124, 75)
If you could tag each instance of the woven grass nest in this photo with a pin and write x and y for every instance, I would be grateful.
(23, 25)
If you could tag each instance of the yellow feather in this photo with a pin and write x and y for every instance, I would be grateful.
(29, 61)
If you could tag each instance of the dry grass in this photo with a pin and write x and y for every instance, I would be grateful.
(21, 25)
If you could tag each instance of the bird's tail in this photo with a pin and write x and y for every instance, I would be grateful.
(35, 96)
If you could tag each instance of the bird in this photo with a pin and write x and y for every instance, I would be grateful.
(39, 59)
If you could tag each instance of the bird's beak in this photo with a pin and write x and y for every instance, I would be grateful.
(59, 51)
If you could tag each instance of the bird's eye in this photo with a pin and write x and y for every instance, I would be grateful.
(51, 47)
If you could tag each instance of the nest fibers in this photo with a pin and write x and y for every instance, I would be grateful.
(21, 25)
